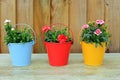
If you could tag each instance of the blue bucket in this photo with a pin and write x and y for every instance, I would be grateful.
(21, 53)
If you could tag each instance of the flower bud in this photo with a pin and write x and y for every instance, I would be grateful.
(12, 29)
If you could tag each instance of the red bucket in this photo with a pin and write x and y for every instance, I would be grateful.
(58, 53)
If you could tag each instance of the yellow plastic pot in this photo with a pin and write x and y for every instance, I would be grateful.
(93, 55)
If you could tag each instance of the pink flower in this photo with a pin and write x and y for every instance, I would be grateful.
(62, 38)
(97, 32)
(99, 22)
(46, 28)
(85, 26)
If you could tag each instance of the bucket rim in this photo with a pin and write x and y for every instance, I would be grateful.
(71, 42)
(24, 43)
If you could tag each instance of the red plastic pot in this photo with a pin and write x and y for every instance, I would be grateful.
(58, 53)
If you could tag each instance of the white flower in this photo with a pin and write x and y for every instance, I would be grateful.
(12, 29)
(7, 21)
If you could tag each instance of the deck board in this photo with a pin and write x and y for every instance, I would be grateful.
(75, 70)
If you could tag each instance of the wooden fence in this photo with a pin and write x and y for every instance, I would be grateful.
(71, 12)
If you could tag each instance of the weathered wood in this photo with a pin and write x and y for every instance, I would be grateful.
(0, 26)
(95, 10)
(59, 11)
(25, 12)
(8, 8)
(113, 19)
(74, 13)
(77, 19)
(40, 69)
(41, 18)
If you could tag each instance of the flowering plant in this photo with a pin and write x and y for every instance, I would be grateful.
(57, 36)
(16, 36)
(95, 32)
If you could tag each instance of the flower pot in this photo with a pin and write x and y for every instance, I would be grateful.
(93, 55)
(21, 53)
(58, 53)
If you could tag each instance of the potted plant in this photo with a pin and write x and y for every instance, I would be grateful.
(20, 43)
(94, 39)
(57, 43)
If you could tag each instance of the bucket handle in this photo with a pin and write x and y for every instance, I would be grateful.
(79, 36)
(69, 30)
(26, 25)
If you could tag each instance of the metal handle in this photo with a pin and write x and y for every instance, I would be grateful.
(28, 27)
(69, 30)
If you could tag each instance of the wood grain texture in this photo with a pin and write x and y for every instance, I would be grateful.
(0, 26)
(7, 12)
(74, 13)
(40, 69)
(77, 19)
(41, 18)
(59, 11)
(113, 20)
(25, 12)
(95, 10)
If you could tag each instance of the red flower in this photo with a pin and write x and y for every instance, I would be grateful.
(62, 38)
(46, 28)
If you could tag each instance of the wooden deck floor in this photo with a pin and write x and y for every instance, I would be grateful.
(75, 70)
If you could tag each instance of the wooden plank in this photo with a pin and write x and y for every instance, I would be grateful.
(7, 12)
(0, 26)
(112, 17)
(25, 11)
(75, 14)
(41, 17)
(59, 11)
(40, 69)
(77, 19)
(95, 10)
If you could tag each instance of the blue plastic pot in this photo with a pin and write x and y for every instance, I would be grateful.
(21, 53)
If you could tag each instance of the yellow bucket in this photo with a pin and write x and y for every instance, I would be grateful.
(93, 55)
